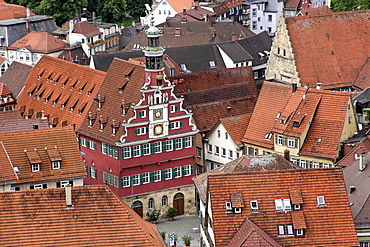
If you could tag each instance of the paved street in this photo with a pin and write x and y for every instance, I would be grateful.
(181, 225)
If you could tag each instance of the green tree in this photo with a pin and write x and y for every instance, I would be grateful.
(113, 11)
(136, 8)
(343, 5)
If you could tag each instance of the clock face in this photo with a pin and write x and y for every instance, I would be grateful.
(158, 129)
(157, 114)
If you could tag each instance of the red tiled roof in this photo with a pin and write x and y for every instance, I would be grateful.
(179, 5)
(40, 42)
(330, 225)
(236, 126)
(4, 90)
(317, 11)
(12, 11)
(98, 218)
(2, 59)
(7, 173)
(361, 147)
(111, 109)
(321, 42)
(35, 142)
(86, 29)
(65, 79)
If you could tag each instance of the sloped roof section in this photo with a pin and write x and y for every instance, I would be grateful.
(15, 77)
(236, 126)
(98, 218)
(53, 88)
(267, 186)
(86, 29)
(39, 42)
(12, 11)
(329, 36)
(7, 173)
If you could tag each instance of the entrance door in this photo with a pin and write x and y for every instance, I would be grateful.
(178, 203)
(137, 206)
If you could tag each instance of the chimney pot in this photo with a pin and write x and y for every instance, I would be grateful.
(362, 162)
(68, 190)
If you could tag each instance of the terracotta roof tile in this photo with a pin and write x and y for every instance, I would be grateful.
(331, 62)
(39, 42)
(236, 126)
(316, 11)
(179, 5)
(62, 75)
(7, 172)
(86, 29)
(98, 218)
(25, 147)
(12, 11)
(270, 185)
(361, 147)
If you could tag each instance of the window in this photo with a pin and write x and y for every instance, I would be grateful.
(218, 133)
(321, 201)
(199, 152)
(293, 160)
(187, 170)
(325, 165)
(223, 152)
(126, 153)
(254, 206)
(177, 172)
(289, 229)
(64, 183)
(38, 186)
(157, 147)
(297, 206)
(174, 108)
(303, 163)
(209, 148)
(93, 172)
(299, 232)
(125, 182)
(151, 203)
(146, 178)
(105, 177)
(269, 18)
(142, 114)
(140, 131)
(168, 174)
(55, 165)
(159, 12)
(164, 201)
(291, 142)
(135, 179)
(115, 181)
(169, 145)
(157, 176)
(254, 12)
(35, 167)
(279, 140)
(254, 25)
(217, 150)
(136, 151)
(146, 149)
(226, 135)
(283, 205)
(178, 143)
(176, 125)
(188, 141)
(315, 164)
(281, 231)
(230, 154)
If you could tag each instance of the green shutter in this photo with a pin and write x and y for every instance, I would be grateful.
(191, 169)
(152, 148)
(94, 145)
(141, 178)
(192, 141)
(140, 114)
(147, 130)
(180, 124)
(184, 142)
(122, 153)
(121, 184)
(136, 131)
(163, 174)
(173, 172)
(132, 151)
(151, 177)
(110, 181)
(170, 126)
(105, 178)
(87, 144)
(176, 108)
(164, 148)
(131, 180)
(174, 144)
(182, 171)
(96, 173)
(86, 169)
(141, 150)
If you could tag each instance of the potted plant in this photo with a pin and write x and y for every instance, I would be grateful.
(163, 234)
(173, 239)
(171, 213)
(187, 239)
(153, 215)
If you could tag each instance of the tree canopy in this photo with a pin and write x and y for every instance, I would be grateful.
(349, 5)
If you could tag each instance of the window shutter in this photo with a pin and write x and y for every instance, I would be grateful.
(151, 177)
(176, 108)
(121, 184)
(163, 174)
(146, 130)
(44, 186)
(136, 131)
(180, 124)
(174, 144)
(152, 148)
(191, 169)
(87, 170)
(131, 180)
(173, 172)
(192, 141)
(182, 171)
(32, 187)
(141, 178)
(71, 182)
(94, 145)
(58, 184)
(132, 151)
(96, 173)
(164, 147)
(141, 150)
(81, 141)
(105, 177)
(183, 142)
(170, 126)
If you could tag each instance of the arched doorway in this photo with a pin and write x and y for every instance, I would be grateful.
(137, 206)
(178, 203)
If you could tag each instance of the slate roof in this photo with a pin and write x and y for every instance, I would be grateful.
(12, 11)
(15, 77)
(329, 36)
(245, 163)
(111, 110)
(359, 181)
(86, 29)
(98, 218)
(329, 225)
(236, 52)
(52, 79)
(236, 126)
(327, 109)
(103, 61)
(37, 141)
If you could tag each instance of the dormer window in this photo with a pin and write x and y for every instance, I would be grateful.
(291, 142)
(299, 232)
(268, 136)
(321, 201)
(229, 209)
(55, 165)
(283, 205)
(297, 207)
(35, 167)
(254, 206)
(238, 210)
(16, 169)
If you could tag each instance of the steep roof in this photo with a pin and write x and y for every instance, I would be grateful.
(11, 121)
(86, 29)
(12, 11)
(21, 144)
(245, 163)
(111, 111)
(334, 218)
(321, 42)
(236, 126)
(15, 77)
(316, 109)
(360, 148)
(316, 11)
(98, 218)
(75, 55)
(40, 42)
(179, 5)
(54, 80)
(7, 172)
(236, 52)
(4, 90)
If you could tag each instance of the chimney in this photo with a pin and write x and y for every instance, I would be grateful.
(210, 20)
(184, 11)
(287, 154)
(68, 189)
(28, 20)
(94, 18)
(234, 37)
(362, 161)
(318, 85)
(294, 87)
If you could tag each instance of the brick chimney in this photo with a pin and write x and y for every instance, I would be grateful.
(234, 37)
(28, 20)
(287, 154)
